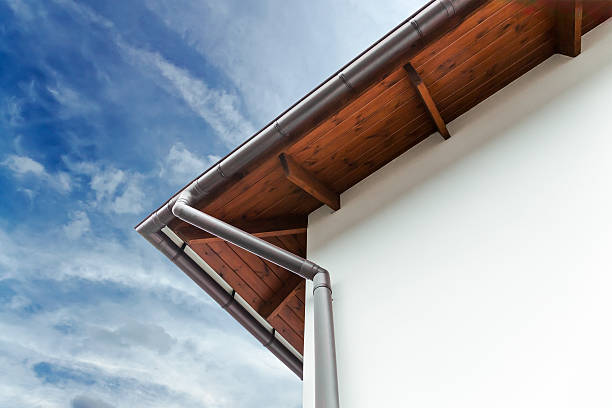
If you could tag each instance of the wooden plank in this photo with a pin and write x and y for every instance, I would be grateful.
(287, 192)
(569, 27)
(478, 18)
(300, 293)
(293, 336)
(229, 275)
(595, 12)
(273, 305)
(423, 92)
(292, 319)
(242, 269)
(260, 228)
(273, 275)
(520, 66)
(291, 244)
(513, 71)
(335, 154)
(307, 182)
(302, 241)
(468, 77)
(294, 302)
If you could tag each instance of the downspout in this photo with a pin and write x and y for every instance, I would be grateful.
(326, 377)
(405, 40)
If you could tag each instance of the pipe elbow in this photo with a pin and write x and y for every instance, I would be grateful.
(321, 280)
(182, 202)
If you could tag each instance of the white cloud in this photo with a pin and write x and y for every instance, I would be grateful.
(275, 52)
(218, 107)
(148, 335)
(11, 111)
(21, 9)
(62, 181)
(72, 102)
(136, 334)
(78, 226)
(181, 165)
(130, 200)
(104, 182)
(116, 191)
(23, 166)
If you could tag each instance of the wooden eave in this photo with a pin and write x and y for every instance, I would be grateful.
(495, 45)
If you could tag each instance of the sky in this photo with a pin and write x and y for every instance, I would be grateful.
(107, 108)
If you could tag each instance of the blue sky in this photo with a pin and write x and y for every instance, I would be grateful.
(106, 109)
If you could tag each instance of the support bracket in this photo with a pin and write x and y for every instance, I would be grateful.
(423, 92)
(568, 27)
(308, 182)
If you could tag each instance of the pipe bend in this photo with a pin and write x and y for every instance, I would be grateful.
(321, 280)
(183, 202)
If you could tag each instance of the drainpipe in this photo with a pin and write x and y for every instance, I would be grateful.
(326, 377)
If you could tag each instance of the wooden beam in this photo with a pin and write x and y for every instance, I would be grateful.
(423, 92)
(569, 27)
(309, 183)
(272, 307)
(260, 228)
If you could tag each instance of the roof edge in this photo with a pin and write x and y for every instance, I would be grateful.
(409, 37)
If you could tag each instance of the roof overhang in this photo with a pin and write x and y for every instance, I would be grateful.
(432, 68)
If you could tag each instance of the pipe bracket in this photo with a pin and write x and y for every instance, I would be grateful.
(272, 337)
(231, 300)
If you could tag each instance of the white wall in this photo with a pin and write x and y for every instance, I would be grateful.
(477, 272)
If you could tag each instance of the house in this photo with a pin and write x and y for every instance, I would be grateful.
(453, 180)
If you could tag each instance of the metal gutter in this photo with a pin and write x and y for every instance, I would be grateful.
(405, 40)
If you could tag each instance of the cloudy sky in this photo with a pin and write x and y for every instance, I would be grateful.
(106, 109)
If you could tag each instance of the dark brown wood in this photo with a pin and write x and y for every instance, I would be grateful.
(260, 228)
(307, 182)
(595, 12)
(273, 306)
(229, 275)
(294, 335)
(569, 27)
(423, 92)
(242, 269)
(290, 243)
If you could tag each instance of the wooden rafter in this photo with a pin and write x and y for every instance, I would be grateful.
(273, 306)
(569, 27)
(423, 92)
(309, 183)
(260, 228)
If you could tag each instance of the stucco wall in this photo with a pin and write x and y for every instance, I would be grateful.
(477, 272)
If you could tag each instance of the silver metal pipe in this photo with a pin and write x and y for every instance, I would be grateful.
(246, 241)
(326, 374)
